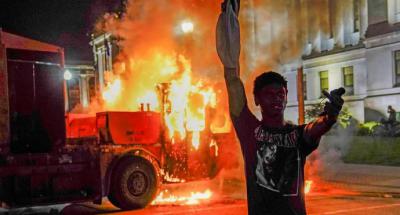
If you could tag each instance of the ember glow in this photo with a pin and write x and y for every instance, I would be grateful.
(192, 198)
(171, 178)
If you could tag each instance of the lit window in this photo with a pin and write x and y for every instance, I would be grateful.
(357, 14)
(348, 79)
(324, 80)
(397, 67)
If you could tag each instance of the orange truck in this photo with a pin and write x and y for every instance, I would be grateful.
(49, 157)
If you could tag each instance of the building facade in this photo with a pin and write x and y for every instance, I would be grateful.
(364, 58)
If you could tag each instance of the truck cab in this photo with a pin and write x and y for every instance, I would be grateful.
(36, 167)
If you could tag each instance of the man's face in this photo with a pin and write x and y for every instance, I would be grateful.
(272, 99)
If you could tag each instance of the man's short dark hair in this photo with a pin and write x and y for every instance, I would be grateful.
(268, 78)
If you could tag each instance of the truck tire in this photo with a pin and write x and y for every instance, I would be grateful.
(134, 184)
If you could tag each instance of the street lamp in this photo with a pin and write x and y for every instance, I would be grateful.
(67, 75)
(187, 27)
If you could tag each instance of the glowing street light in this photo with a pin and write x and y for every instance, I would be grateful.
(187, 27)
(67, 75)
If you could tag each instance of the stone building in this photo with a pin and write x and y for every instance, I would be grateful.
(364, 58)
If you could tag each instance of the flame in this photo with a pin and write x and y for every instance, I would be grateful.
(112, 92)
(214, 144)
(186, 104)
(193, 198)
(196, 139)
(307, 187)
(163, 52)
(171, 178)
(186, 110)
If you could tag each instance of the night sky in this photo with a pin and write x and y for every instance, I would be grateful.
(66, 23)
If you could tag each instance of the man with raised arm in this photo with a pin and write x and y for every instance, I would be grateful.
(274, 151)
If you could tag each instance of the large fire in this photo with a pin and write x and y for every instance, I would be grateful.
(185, 108)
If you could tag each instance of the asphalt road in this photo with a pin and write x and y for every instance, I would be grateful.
(370, 204)
(326, 198)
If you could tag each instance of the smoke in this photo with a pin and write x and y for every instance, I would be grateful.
(275, 34)
(322, 164)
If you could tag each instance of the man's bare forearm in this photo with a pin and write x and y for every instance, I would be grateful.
(236, 93)
(315, 129)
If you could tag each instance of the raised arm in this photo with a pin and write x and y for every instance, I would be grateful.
(228, 48)
(236, 93)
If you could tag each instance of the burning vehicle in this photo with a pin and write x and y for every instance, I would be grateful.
(49, 156)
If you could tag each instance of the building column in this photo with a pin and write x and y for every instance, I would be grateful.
(363, 18)
(83, 82)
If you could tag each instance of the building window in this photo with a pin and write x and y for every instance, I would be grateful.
(324, 81)
(397, 11)
(304, 86)
(348, 80)
(393, 9)
(92, 88)
(397, 67)
(357, 14)
(74, 93)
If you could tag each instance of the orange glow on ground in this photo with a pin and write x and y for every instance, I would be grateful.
(192, 198)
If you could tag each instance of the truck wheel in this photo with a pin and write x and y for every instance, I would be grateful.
(134, 184)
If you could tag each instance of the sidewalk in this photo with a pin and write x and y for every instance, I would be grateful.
(365, 178)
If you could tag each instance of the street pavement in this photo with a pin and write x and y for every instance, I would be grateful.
(316, 205)
(364, 178)
(344, 189)
(348, 189)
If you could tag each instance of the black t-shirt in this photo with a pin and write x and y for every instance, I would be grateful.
(274, 161)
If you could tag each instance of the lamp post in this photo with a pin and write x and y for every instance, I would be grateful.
(67, 75)
(187, 27)
(185, 38)
(300, 95)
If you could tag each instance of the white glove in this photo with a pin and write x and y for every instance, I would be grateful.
(228, 34)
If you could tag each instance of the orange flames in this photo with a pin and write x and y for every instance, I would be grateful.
(112, 92)
(187, 102)
(170, 43)
(173, 48)
(194, 198)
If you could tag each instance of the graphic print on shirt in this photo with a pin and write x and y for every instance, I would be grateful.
(278, 162)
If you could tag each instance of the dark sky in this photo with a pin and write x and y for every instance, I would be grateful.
(66, 23)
